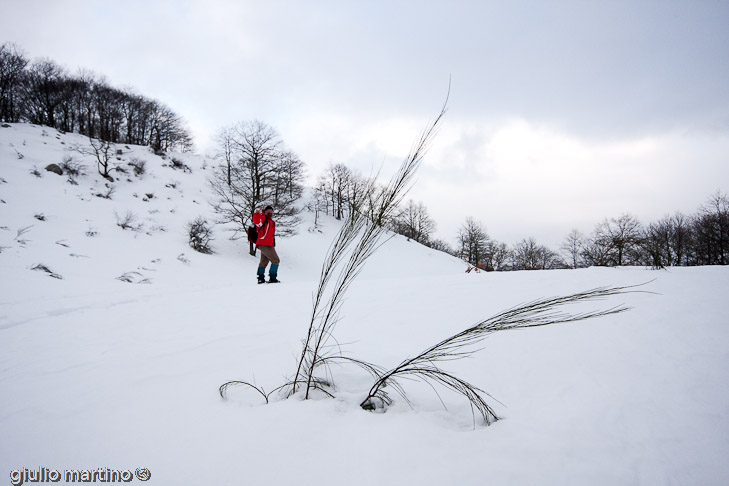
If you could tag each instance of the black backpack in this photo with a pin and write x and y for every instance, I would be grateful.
(252, 234)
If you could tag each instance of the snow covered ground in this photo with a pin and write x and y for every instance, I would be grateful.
(96, 372)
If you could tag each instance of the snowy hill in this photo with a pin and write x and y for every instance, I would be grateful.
(98, 371)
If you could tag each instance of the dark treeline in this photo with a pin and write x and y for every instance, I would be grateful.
(43, 93)
(677, 240)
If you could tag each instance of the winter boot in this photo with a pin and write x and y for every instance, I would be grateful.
(272, 274)
(261, 275)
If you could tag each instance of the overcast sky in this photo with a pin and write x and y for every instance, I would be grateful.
(561, 113)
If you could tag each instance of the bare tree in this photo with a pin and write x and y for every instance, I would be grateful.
(498, 256)
(680, 238)
(711, 231)
(257, 169)
(102, 151)
(526, 255)
(317, 203)
(572, 248)
(656, 243)
(472, 241)
(225, 141)
(336, 182)
(414, 222)
(286, 189)
(42, 91)
(12, 64)
(619, 239)
(596, 253)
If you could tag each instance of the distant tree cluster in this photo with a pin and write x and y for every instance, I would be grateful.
(339, 191)
(256, 169)
(43, 93)
(678, 240)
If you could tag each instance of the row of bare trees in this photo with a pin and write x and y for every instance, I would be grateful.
(338, 187)
(677, 240)
(44, 93)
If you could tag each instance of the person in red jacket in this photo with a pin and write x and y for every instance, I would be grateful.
(266, 242)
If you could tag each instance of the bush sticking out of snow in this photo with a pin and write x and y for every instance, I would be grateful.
(73, 169)
(200, 235)
(180, 165)
(128, 221)
(39, 267)
(110, 190)
(19, 235)
(134, 277)
(138, 166)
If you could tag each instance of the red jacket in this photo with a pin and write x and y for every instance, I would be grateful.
(266, 229)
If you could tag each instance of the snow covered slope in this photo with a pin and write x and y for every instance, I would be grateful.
(97, 372)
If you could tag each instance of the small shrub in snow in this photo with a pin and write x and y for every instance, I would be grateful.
(157, 229)
(39, 267)
(107, 193)
(128, 221)
(20, 156)
(180, 165)
(91, 232)
(40, 216)
(138, 166)
(134, 277)
(120, 169)
(200, 235)
(19, 236)
(73, 169)
(183, 258)
(34, 171)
